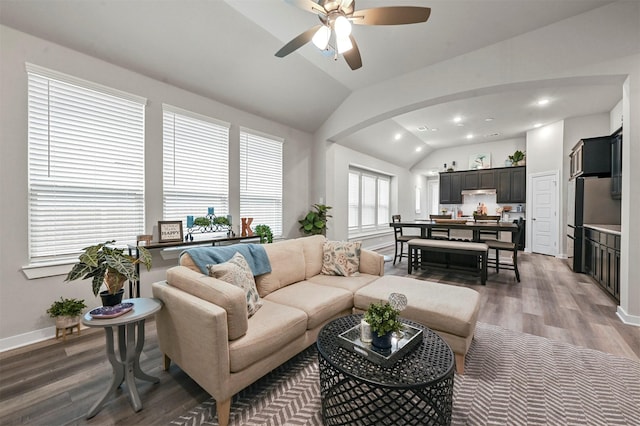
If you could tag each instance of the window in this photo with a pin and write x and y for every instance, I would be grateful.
(195, 165)
(86, 165)
(261, 179)
(369, 201)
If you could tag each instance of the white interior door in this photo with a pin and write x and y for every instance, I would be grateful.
(544, 213)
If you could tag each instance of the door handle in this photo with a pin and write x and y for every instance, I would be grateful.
(534, 218)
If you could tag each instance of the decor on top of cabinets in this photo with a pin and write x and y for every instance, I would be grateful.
(479, 161)
(518, 158)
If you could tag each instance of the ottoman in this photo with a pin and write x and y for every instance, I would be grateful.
(449, 310)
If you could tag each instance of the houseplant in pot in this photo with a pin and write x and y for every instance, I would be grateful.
(66, 312)
(109, 266)
(384, 320)
(265, 234)
(518, 158)
(315, 222)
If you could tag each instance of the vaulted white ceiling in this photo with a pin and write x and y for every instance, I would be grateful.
(225, 50)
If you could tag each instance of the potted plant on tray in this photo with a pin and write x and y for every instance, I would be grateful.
(384, 320)
(111, 266)
(66, 312)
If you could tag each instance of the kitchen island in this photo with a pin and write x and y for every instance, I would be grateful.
(601, 256)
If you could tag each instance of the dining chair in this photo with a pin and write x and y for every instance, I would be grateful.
(440, 233)
(484, 234)
(400, 239)
(506, 246)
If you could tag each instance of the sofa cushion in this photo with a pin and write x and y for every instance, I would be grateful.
(352, 284)
(271, 328)
(341, 258)
(438, 306)
(229, 297)
(312, 247)
(237, 271)
(319, 302)
(287, 266)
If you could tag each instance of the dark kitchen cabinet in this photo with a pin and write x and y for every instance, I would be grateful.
(616, 166)
(451, 188)
(591, 157)
(601, 260)
(486, 179)
(469, 180)
(511, 184)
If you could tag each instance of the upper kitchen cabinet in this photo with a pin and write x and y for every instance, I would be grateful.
(451, 188)
(616, 165)
(511, 184)
(481, 179)
(591, 157)
(486, 179)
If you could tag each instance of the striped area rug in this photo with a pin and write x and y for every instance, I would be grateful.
(510, 378)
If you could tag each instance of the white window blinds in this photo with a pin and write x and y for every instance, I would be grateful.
(261, 179)
(369, 201)
(86, 165)
(195, 165)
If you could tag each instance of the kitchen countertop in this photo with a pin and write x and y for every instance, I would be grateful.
(612, 229)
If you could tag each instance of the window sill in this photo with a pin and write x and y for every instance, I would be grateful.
(50, 269)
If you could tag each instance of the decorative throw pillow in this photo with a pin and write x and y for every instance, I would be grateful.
(237, 271)
(341, 258)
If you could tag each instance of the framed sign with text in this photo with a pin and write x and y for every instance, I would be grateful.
(169, 231)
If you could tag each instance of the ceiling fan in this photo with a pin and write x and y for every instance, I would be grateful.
(336, 17)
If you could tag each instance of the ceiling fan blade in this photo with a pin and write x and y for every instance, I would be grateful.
(352, 56)
(297, 42)
(392, 15)
(308, 5)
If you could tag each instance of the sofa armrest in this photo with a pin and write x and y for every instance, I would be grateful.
(193, 333)
(371, 262)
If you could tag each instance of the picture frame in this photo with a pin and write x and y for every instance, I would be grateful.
(170, 231)
(480, 161)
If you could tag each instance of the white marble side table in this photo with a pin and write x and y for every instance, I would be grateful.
(126, 362)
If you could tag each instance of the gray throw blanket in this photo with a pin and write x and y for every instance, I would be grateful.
(255, 255)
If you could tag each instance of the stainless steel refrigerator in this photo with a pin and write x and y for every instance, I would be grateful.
(588, 202)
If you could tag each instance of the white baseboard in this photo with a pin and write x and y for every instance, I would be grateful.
(29, 338)
(626, 318)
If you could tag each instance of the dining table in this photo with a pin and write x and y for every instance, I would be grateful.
(426, 225)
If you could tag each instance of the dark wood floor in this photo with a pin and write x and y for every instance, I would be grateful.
(55, 382)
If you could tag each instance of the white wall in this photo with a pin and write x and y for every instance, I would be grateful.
(23, 302)
(616, 117)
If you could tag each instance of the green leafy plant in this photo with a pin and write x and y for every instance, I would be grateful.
(383, 318)
(315, 222)
(66, 308)
(220, 220)
(516, 157)
(265, 234)
(201, 221)
(108, 265)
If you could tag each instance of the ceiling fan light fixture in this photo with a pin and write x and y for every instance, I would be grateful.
(344, 44)
(342, 27)
(321, 37)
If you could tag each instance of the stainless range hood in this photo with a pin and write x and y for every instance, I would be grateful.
(479, 192)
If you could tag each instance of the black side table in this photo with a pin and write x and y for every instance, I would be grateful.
(416, 390)
(126, 363)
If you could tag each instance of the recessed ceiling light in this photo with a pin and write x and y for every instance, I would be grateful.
(457, 119)
(537, 125)
(398, 136)
(469, 136)
(489, 119)
(418, 149)
(543, 101)
(434, 129)
(423, 128)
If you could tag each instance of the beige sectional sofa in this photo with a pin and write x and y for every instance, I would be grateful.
(203, 326)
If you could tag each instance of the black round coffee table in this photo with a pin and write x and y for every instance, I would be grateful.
(416, 390)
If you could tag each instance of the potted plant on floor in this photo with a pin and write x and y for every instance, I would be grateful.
(111, 266)
(315, 222)
(265, 234)
(66, 312)
(384, 320)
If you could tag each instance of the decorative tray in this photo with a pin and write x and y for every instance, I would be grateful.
(450, 220)
(104, 312)
(409, 338)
